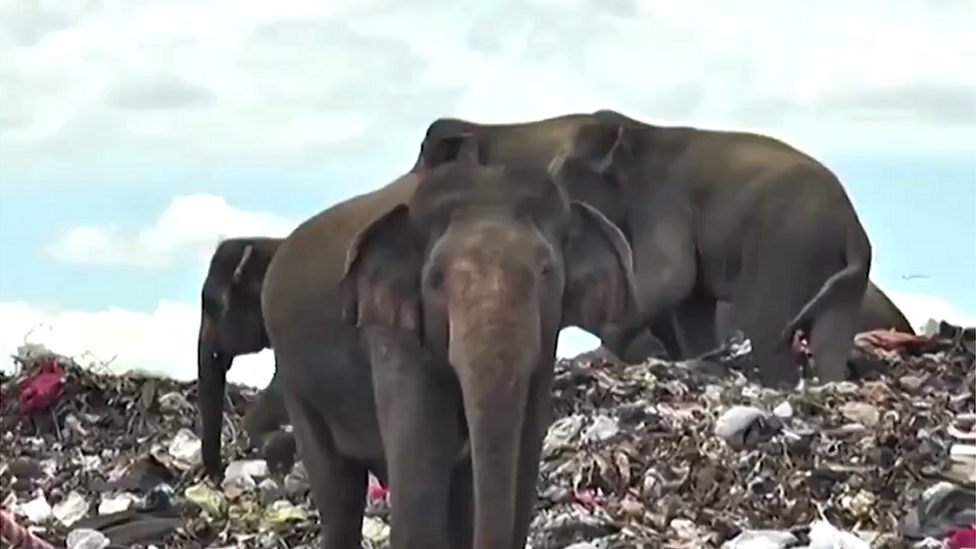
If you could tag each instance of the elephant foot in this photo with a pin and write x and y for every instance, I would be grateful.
(280, 451)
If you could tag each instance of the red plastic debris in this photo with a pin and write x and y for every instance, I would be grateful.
(376, 491)
(961, 538)
(18, 536)
(889, 340)
(40, 389)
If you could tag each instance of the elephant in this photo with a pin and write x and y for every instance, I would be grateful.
(231, 324)
(711, 216)
(878, 312)
(414, 329)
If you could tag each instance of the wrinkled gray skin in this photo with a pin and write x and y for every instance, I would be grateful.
(457, 293)
(711, 216)
(878, 312)
(231, 325)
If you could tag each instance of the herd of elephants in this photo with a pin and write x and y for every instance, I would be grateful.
(414, 327)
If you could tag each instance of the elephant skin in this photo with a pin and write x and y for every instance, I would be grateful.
(231, 324)
(711, 216)
(878, 312)
(415, 329)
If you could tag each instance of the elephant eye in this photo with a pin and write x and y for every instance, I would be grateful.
(546, 271)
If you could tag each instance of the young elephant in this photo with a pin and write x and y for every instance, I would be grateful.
(231, 324)
(458, 289)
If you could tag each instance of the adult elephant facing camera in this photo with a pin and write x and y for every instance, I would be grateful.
(711, 216)
(458, 288)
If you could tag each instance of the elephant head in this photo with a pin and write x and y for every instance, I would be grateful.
(484, 265)
(231, 324)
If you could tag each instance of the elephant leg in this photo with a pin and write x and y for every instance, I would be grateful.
(645, 346)
(762, 304)
(266, 415)
(338, 484)
(634, 347)
(462, 506)
(831, 339)
(695, 319)
(538, 418)
(279, 451)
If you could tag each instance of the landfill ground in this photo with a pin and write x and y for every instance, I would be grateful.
(656, 455)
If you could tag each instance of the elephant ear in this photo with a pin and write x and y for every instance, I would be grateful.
(600, 292)
(381, 277)
(596, 147)
(460, 147)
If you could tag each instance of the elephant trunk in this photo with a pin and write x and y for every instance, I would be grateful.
(494, 354)
(212, 368)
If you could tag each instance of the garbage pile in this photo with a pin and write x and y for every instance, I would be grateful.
(672, 455)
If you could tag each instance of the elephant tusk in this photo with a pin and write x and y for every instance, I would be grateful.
(239, 270)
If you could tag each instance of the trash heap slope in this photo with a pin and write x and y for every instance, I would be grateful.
(659, 454)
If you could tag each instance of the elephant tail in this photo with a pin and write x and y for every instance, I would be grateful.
(848, 283)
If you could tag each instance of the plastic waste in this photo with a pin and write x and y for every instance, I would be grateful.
(746, 426)
(185, 449)
(83, 538)
(861, 412)
(71, 509)
(38, 509)
(961, 538)
(210, 500)
(941, 508)
(173, 402)
(602, 428)
(563, 431)
(117, 502)
(160, 498)
(824, 535)
(783, 410)
(283, 511)
(29, 352)
(375, 532)
(761, 539)
(254, 468)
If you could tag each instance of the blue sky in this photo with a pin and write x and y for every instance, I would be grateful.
(121, 166)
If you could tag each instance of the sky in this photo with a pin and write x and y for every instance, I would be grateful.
(136, 133)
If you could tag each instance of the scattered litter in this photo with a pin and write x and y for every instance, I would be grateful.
(823, 535)
(87, 539)
(761, 539)
(680, 455)
(71, 509)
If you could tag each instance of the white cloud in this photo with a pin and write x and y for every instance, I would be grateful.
(266, 77)
(164, 341)
(189, 223)
(160, 342)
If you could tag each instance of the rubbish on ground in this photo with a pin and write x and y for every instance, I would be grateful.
(660, 454)
(87, 539)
